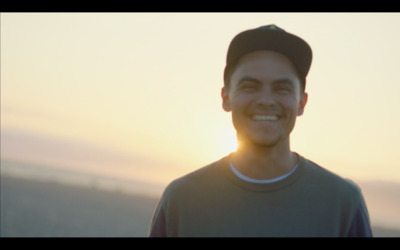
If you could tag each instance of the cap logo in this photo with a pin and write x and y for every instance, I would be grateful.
(271, 27)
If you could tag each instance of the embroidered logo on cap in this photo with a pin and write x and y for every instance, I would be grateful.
(271, 27)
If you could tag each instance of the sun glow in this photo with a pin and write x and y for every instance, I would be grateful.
(228, 142)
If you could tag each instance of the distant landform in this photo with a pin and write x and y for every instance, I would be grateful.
(56, 207)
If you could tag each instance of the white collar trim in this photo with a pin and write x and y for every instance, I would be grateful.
(264, 181)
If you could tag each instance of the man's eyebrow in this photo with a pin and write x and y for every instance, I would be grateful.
(248, 78)
(283, 81)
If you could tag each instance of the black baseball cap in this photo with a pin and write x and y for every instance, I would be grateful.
(270, 37)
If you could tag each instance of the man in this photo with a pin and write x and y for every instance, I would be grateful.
(263, 189)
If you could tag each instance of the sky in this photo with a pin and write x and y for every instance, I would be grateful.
(137, 95)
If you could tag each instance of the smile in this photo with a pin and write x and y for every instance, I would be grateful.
(265, 117)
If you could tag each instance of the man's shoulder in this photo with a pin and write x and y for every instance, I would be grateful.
(197, 179)
(322, 177)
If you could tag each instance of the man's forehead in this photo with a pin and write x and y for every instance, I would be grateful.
(265, 54)
(265, 62)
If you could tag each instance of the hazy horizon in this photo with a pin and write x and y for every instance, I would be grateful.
(382, 197)
(58, 210)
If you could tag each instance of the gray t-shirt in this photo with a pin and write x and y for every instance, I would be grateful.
(214, 202)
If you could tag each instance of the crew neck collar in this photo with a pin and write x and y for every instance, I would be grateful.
(260, 181)
(263, 187)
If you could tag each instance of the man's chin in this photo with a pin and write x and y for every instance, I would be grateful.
(257, 142)
(265, 145)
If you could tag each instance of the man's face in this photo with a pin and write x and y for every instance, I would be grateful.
(265, 98)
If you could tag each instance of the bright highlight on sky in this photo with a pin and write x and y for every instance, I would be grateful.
(137, 95)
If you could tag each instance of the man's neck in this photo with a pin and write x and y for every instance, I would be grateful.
(264, 162)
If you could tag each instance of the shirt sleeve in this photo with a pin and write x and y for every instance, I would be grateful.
(360, 226)
(158, 224)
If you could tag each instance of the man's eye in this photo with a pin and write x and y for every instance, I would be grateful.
(249, 87)
(284, 90)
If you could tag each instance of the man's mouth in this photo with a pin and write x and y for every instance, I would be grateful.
(264, 117)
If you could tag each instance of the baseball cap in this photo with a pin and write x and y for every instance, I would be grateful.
(270, 37)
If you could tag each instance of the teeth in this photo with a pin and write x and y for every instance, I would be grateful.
(265, 118)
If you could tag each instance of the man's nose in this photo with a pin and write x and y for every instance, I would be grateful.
(266, 97)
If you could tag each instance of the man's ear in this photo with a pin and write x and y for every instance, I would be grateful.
(225, 99)
(302, 104)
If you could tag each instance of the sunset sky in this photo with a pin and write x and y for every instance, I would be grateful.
(137, 95)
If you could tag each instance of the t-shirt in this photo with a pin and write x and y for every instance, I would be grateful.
(214, 202)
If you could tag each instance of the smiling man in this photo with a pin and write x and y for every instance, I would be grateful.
(263, 189)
